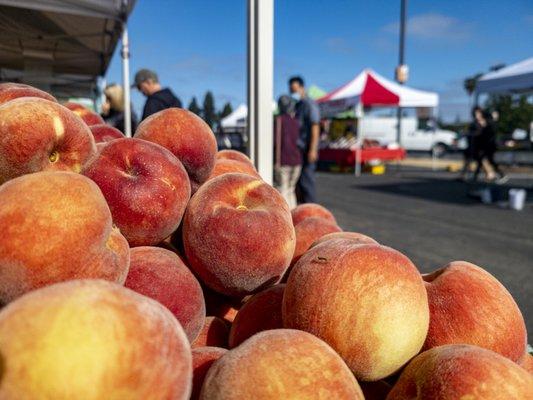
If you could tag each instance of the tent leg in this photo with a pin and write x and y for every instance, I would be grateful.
(358, 111)
(126, 80)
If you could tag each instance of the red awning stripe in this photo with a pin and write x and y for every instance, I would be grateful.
(376, 94)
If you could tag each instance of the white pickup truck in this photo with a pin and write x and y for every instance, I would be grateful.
(384, 130)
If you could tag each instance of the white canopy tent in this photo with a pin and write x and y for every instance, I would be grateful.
(515, 78)
(63, 46)
(237, 119)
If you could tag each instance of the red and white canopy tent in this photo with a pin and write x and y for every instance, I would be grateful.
(371, 89)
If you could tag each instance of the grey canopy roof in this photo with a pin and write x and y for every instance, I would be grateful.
(62, 46)
(515, 78)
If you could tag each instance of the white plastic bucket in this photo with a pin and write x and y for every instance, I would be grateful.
(517, 199)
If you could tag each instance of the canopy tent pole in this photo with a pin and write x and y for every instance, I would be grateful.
(359, 114)
(260, 85)
(126, 80)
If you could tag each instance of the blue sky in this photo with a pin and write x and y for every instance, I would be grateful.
(197, 46)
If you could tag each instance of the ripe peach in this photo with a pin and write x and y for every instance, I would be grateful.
(307, 210)
(234, 155)
(187, 136)
(355, 236)
(37, 135)
(224, 234)
(368, 302)
(92, 340)
(224, 166)
(105, 133)
(214, 332)
(88, 116)
(310, 230)
(280, 364)
(221, 306)
(462, 372)
(161, 275)
(526, 362)
(145, 185)
(469, 306)
(11, 90)
(202, 359)
(260, 313)
(56, 226)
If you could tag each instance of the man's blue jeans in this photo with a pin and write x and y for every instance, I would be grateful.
(306, 184)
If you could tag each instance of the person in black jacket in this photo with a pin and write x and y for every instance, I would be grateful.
(157, 98)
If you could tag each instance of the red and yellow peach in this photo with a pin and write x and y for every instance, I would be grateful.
(56, 226)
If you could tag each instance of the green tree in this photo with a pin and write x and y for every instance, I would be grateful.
(194, 107)
(209, 114)
(226, 110)
(515, 112)
(469, 84)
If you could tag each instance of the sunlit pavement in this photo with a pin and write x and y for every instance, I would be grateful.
(430, 217)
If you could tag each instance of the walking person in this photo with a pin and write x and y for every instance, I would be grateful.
(484, 144)
(308, 114)
(157, 98)
(287, 154)
(113, 108)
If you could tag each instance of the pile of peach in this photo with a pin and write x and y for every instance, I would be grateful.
(155, 267)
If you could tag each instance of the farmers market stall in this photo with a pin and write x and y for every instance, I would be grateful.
(369, 89)
(63, 46)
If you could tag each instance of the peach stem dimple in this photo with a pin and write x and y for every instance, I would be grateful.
(53, 157)
(242, 207)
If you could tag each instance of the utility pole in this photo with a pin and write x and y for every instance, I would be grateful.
(401, 69)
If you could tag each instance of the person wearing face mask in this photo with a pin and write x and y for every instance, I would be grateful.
(308, 114)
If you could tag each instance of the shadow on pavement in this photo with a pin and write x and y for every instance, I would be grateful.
(443, 190)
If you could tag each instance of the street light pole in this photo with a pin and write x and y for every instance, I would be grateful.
(401, 69)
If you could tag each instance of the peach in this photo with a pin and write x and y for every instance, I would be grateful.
(355, 236)
(161, 275)
(38, 134)
(469, 306)
(308, 231)
(526, 362)
(88, 116)
(462, 372)
(234, 155)
(221, 306)
(187, 136)
(105, 133)
(307, 210)
(280, 364)
(224, 166)
(202, 359)
(11, 90)
(260, 313)
(145, 185)
(56, 226)
(92, 340)
(368, 302)
(214, 332)
(238, 235)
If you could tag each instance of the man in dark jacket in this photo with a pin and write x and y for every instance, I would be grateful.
(157, 99)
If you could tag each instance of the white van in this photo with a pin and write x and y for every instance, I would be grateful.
(384, 130)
